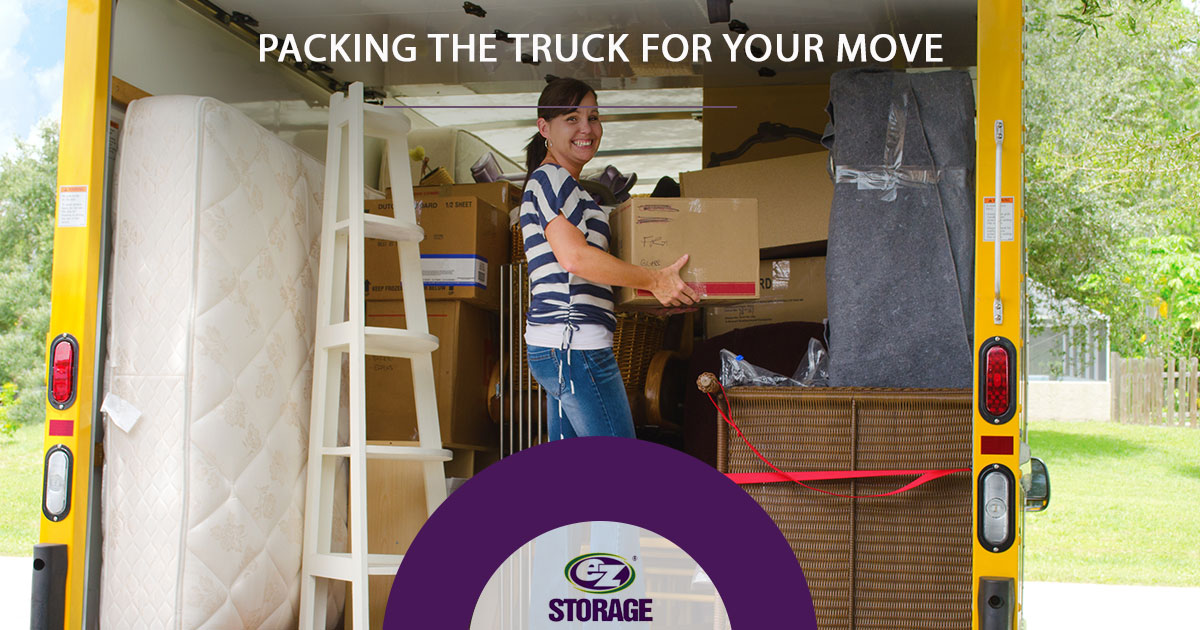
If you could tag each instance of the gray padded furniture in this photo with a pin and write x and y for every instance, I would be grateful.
(900, 261)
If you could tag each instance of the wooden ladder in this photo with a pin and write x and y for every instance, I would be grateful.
(342, 332)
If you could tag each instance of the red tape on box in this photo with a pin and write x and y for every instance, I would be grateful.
(714, 289)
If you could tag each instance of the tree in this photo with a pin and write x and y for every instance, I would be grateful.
(27, 184)
(1113, 164)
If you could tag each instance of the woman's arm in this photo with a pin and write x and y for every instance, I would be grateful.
(593, 264)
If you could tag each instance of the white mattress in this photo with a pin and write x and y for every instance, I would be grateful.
(213, 290)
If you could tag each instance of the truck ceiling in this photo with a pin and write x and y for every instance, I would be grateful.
(210, 48)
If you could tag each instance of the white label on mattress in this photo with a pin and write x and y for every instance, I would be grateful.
(72, 206)
(120, 411)
(989, 219)
(448, 270)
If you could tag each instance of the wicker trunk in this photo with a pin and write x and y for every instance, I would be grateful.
(886, 563)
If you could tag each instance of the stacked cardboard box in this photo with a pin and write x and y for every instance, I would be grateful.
(503, 195)
(467, 349)
(794, 195)
(790, 290)
(466, 241)
(720, 237)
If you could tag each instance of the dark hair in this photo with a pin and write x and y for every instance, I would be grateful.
(561, 97)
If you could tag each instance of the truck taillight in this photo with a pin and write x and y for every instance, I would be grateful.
(997, 491)
(56, 483)
(64, 360)
(997, 380)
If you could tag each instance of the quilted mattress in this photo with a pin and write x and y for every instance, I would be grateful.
(212, 316)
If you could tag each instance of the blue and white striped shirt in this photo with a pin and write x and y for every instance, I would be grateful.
(558, 297)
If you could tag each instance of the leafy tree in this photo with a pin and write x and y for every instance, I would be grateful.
(1113, 164)
(27, 184)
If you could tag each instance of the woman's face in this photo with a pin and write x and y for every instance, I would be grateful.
(574, 137)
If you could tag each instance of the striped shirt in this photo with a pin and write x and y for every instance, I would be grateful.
(557, 297)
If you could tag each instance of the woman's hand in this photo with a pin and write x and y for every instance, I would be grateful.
(573, 253)
(669, 289)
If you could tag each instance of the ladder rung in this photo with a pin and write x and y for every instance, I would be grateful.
(386, 228)
(384, 451)
(379, 122)
(340, 566)
(384, 342)
(333, 566)
(383, 564)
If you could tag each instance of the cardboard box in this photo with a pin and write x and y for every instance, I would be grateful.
(794, 196)
(503, 195)
(466, 241)
(790, 290)
(468, 347)
(720, 236)
(395, 513)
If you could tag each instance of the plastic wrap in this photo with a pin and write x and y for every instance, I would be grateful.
(892, 174)
(736, 371)
(813, 370)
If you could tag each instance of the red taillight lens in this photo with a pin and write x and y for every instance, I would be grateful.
(995, 381)
(62, 378)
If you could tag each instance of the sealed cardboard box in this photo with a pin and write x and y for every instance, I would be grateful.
(466, 241)
(794, 196)
(467, 349)
(790, 290)
(719, 235)
(503, 194)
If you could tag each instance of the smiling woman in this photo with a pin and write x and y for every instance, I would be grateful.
(570, 322)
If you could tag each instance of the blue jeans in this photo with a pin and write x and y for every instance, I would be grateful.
(592, 395)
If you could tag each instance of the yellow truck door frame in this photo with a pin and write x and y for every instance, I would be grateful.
(999, 315)
(60, 566)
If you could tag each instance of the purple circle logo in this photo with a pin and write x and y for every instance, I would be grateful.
(656, 488)
(599, 573)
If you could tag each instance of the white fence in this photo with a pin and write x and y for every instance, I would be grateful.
(1155, 390)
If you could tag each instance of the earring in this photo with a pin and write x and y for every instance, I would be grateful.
(547, 143)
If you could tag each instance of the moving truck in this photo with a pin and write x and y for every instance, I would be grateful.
(229, 50)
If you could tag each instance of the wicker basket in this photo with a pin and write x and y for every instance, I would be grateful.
(637, 338)
(902, 561)
(518, 244)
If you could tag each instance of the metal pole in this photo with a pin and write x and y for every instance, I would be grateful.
(500, 361)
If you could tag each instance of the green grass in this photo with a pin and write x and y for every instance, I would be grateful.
(1124, 508)
(20, 490)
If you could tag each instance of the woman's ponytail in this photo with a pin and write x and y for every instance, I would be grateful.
(535, 154)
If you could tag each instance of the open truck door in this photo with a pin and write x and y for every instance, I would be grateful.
(70, 512)
(67, 559)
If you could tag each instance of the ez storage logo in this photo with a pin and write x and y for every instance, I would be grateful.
(599, 573)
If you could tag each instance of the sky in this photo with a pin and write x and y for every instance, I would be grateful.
(32, 39)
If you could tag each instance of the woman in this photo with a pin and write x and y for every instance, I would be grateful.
(570, 323)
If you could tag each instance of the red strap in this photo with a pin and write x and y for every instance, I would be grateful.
(923, 476)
